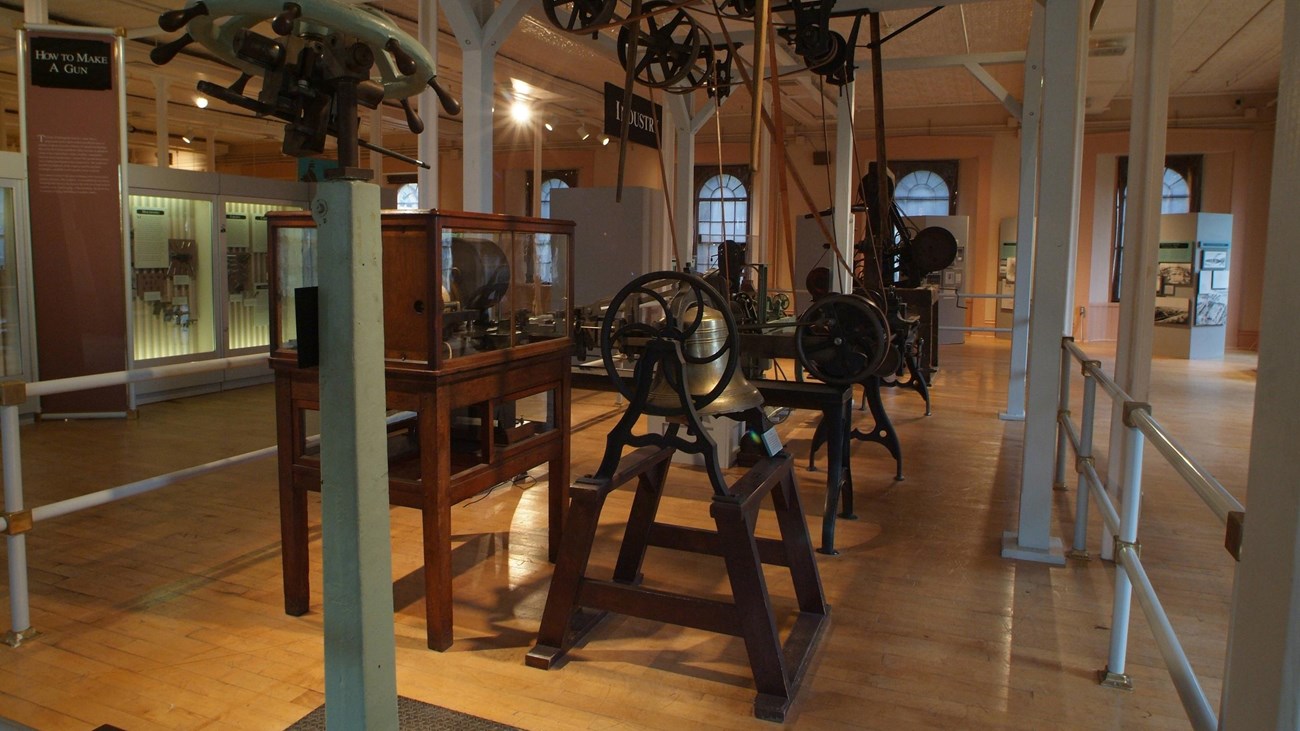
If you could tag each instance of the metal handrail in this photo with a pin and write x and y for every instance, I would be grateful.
(1215, 495)
(1139, 427)
(16, 521)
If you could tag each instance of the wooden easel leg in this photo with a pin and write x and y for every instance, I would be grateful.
(636, 536)
(753, 607)
(798, 546)
(587, 498)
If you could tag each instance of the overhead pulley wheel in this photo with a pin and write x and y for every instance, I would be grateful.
(687, 302)
(842, 339)
(667, 50)
(579, 16)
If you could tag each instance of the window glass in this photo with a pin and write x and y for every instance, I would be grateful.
(723, 214)
(408, 197)
(295, 258)
(477, 315)
(923, 193)
(1175, 196)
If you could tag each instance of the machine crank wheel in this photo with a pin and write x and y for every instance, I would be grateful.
(405, 67)
(842, 339)
(578, 16)
(682, 298)
(666, 50)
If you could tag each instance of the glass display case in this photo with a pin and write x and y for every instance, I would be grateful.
(476, 345)
(457, 286)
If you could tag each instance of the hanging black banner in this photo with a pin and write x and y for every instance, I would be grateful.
(643, 127)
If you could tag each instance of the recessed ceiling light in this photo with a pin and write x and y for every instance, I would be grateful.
(201, 102)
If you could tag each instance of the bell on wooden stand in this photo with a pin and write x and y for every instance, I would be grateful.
(704, 351)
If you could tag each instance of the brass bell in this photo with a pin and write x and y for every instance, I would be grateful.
(701, 378)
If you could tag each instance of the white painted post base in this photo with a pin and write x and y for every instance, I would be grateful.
(1053, 555)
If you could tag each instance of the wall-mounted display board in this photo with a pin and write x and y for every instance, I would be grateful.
(199, 272)
(952, 313)
(1192, 285)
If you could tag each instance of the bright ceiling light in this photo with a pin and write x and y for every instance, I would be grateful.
(549, 127)
(582, 132)
(604, 140)
(520, 111)
(201, 102)
(187, 138)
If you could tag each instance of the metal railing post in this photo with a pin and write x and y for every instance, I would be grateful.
(1080, 548)
(1062, 410)
(1113, 674)
(17, 522)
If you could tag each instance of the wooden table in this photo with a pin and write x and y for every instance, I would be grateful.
(425, 472)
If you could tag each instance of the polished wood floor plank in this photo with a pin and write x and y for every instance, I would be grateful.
(165, 611)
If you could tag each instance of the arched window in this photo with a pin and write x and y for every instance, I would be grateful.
(1176, 196)
(923, 193)
(408, 197)
(722, 215)
(545, 254)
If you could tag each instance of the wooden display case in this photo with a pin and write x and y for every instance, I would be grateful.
(476, 349)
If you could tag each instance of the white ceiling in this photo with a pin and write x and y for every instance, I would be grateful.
(1220, 47)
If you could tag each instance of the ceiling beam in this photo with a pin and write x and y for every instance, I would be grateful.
(995, 88)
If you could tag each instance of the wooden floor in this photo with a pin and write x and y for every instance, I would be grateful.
(165, 610)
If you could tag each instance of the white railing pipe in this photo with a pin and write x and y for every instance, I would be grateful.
(1109, 515)
(20, 620)
(113, 494)
(1062, 419)
(1189, 688)
(118, 378)
(1211, 490)
(1084, 453)
(1130, 504)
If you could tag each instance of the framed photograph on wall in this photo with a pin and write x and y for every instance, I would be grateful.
(1212, 260)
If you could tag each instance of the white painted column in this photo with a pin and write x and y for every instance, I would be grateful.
(1030, 124)
(845, 185)
(683, 193)
(1055, 242)
(360, 653)
(478, 69)
(1141, 227)
(427, 140)
(161, 133)
(36, 12)
(1262, 686)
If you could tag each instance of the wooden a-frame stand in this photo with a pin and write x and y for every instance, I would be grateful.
(777, 669)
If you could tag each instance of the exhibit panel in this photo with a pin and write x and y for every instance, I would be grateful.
(247, 290)
(1192, 285)
(14, 350)
(951, 280)
(1006, 274)
(198, 273)
(172, 298)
